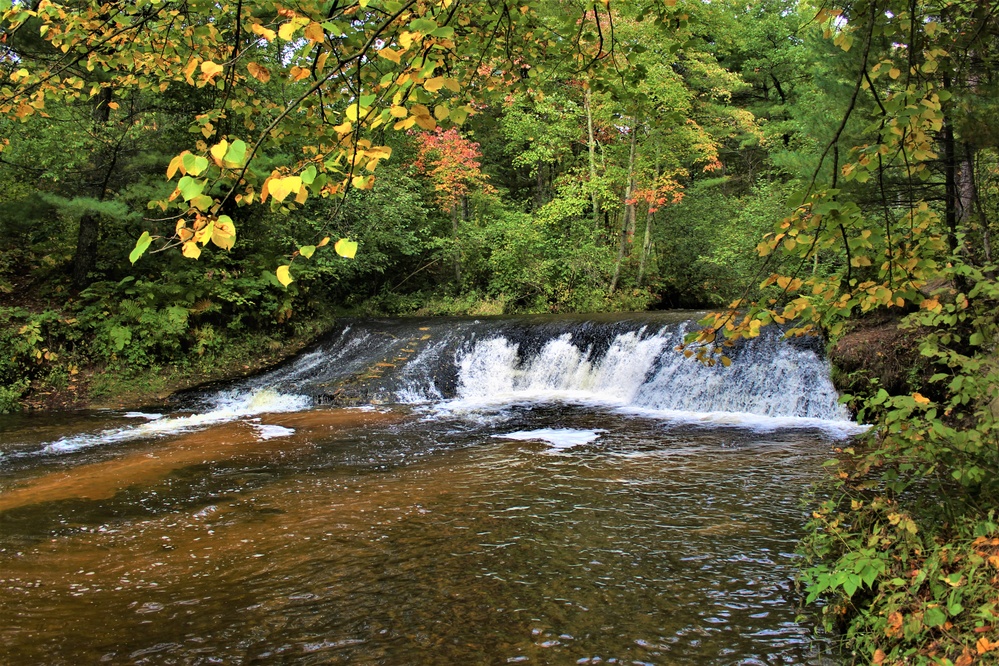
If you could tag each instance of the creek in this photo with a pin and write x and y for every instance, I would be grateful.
(546, 490)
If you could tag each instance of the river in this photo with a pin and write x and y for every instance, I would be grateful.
(517, 490)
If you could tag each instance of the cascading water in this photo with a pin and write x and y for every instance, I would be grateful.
(630, 363)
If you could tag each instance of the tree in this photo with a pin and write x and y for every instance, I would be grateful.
(451, 162)
(888, 221)
(345, 70)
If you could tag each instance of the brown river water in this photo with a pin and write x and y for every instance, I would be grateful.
(540, 532)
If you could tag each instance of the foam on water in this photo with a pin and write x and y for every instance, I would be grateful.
(559, 438)
(225, 407)
(267, 431)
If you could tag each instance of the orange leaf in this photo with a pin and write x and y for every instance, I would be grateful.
(259, 73)
(985, 645)
(266, 33)
(314, 32)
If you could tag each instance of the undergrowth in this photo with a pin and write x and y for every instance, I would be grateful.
(905, 549)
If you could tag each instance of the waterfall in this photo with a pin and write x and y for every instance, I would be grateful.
(476, 368)
(628, 362)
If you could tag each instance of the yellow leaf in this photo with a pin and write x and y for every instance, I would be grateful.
(399, 112)
(324, 242)
(452, 85)
(280, 188)
(298, 73)
(205, 230)
(191, 250)
(426, 122)
(225, 232)
(920, 399)
(192, 65)
(302, 195)
(219, 149)
(176, 163)
(985, 645)
(266, 33)
(389, 54)
(113, 105)
(259, 73)
(894, 72)
(441, 112)
(363, 182)
(288, 30)
(283, 274)
(345, 248)
(344, 128)
(931, 304)
(321, 61)
(210, 69)
(434, 84)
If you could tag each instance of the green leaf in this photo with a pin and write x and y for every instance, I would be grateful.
(236, 155)
(307, 251)
(309, 174)
(141, 246)
(120, 336)
(190, 188)
(202, 202)
(424, 25)
(934, 617)
(195, 164)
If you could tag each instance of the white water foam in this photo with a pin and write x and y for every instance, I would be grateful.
(559, 438)
(226, 407)
(269, 431)
(142, 415)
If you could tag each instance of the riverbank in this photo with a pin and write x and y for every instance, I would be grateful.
(71, 384)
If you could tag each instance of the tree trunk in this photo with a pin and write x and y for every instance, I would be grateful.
(592, 143)
(628, 214)
(457, 252)
(85, 257)
(646, 247)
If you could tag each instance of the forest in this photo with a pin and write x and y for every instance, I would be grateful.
(191, 189)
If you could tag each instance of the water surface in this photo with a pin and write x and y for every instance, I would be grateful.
(571, 497)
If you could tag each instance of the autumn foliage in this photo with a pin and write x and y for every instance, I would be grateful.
(451, 162)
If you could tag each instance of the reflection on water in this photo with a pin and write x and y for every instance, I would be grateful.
(347, 536)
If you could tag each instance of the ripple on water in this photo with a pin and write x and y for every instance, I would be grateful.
(395, 540)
